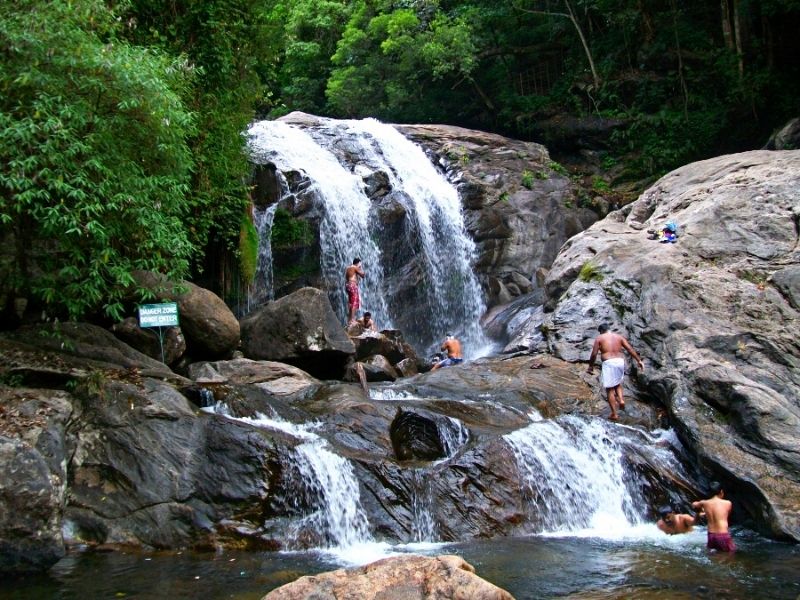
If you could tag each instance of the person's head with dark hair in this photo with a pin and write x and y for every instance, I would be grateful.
(356, 261)
(665, 511)
(602, 328)
(715, 489)
(367, 315)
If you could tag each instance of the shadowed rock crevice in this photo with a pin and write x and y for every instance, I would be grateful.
(415, 437)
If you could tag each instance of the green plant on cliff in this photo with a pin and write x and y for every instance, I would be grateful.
(527, 179)
(590, 272)
(289, 232)
(248, 248)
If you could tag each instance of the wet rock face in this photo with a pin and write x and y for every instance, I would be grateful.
(415, 437)
(121, 457)
(34, 481)
(714, 315)
(520, 206)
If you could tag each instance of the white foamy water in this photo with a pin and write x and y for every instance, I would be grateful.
(450, 299)
(327, 481)
(571, 472)
(261, 290)
(344, 231)
(435, 208)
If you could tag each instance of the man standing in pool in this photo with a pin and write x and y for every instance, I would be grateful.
(717, 510)
(610, 346)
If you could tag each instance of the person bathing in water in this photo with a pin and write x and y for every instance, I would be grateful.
(351, 278)
(717, 510)
(610, 346)
(672, 523)
(453, 348)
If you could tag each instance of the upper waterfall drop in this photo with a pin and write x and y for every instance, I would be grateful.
(419, 260)
(344, 230)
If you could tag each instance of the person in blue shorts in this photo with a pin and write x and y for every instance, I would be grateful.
(453, 348)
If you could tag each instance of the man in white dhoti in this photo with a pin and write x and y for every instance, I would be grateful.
(610, 346)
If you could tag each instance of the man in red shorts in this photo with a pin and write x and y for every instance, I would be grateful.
(351, 275)
(717, 510)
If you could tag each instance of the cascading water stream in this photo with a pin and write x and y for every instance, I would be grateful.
(447, 296)
(344, 231)
(434, 207)
(325, 481)
(261, 288)
(572, 475)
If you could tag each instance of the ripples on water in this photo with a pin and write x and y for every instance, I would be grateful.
(642, 563)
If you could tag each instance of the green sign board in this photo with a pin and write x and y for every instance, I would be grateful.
(158, 315)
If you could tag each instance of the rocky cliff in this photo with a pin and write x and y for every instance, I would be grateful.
(715, 316)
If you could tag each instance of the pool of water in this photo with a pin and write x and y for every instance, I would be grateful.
(642, 564)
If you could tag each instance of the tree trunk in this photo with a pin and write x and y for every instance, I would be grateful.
(570, 14)
(737, 29)
(647, 22)
(727, 30)
(588, 52)
(681, 76)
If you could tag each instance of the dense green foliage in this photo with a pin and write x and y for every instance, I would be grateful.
(94, 167)
(688, 79)
(229, 42)
(121, 122)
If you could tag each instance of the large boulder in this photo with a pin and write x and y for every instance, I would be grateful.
(300, 329)
(715, 316)
(210, 327)
(147, 469)
(274, 377)
(34, 480)
(787, 137)
(410, 577)
(415, 436)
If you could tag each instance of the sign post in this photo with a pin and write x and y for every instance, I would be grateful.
(159, 315)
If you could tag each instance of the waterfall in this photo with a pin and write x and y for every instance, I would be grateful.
(324, 486)
(420, 278)
(261, 288)
(424, 524)
(344, 230)
(451, 290)
(571, 471)
(453, 434)
(331, 485)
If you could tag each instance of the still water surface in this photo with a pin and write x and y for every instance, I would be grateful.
(647, 565)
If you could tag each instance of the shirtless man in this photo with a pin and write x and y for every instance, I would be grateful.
(717, 510)
(367, 323)
(453, 348)
(672, 523)
(351, 277)
(610, 346)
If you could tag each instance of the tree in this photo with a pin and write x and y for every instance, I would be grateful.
(310, 30)
(233, 47)
(94, 165)
(392, 63)
(571, 15)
